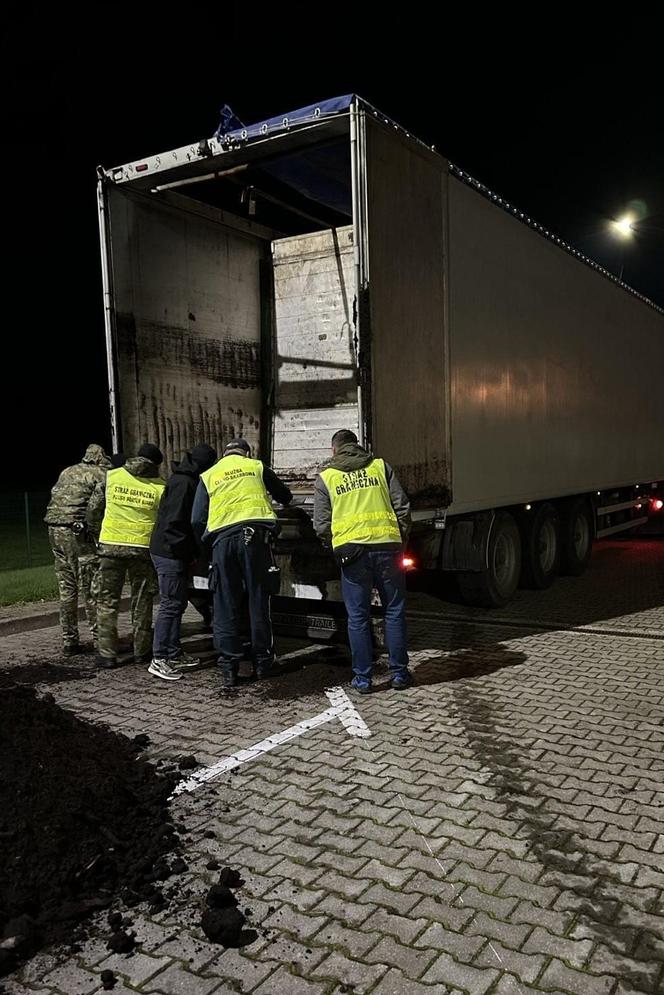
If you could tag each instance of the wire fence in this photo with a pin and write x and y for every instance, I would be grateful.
(23, 534)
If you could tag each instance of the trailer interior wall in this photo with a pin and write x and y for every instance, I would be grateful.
(557, 372)
(314, 360)
(187, 324)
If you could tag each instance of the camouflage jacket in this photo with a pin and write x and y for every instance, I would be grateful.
(138, 467)
(74, 489)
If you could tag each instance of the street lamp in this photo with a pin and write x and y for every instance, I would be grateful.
(624, 226)
(631, 226)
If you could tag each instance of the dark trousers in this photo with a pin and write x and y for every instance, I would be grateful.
(173, 588)
(365, 572)
(238, 567)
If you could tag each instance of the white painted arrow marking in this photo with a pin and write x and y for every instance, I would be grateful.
(342, 708)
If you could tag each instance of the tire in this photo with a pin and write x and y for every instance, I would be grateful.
(576, 537)
(493, 587)
(540, 534)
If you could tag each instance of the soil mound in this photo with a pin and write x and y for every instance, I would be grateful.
(83, 821)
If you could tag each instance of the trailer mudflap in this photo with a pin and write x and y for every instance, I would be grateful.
(426, 544)
(465, 543)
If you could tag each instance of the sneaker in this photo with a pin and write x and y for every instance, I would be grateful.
(185, 661)
(73, 650)
(402, 682)
(361, 688)
(106, 662)
(162, 668)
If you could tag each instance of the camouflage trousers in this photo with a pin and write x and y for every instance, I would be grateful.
(144, 587)
(76, 570)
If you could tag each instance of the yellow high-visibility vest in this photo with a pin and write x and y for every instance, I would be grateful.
(237, 493)
(361, 508)
(132, 505)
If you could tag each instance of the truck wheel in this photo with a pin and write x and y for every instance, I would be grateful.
(576, 537)
(540, 534)
(493, 587)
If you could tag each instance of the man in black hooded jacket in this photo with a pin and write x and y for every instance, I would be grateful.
(173, 548)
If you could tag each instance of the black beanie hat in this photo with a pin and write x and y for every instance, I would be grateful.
(204, 456)
(240, 444)
(153, 453)
(118, 460)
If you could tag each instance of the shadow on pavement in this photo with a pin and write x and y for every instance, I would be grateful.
(466, 664)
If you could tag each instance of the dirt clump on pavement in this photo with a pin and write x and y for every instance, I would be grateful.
(84, 822)
(222, 921)
(188, 763)
(122, 942)
(224, 926)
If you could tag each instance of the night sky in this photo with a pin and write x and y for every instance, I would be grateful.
(564, 120)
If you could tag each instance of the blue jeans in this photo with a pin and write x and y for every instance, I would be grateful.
(382, 571)
(239, 568)
(173, 590)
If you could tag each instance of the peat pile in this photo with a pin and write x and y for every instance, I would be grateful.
(43, 673)
(83, 822)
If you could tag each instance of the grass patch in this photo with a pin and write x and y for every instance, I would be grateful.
(13, 531)
(33, 584)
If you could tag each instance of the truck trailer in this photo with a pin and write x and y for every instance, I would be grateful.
(325, 269)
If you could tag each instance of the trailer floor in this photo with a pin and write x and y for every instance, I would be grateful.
(501, 830)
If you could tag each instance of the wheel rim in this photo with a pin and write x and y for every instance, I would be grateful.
(504, 563)
(547, 546)
(580, 536)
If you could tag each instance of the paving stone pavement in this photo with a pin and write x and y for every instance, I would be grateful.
(500, 833)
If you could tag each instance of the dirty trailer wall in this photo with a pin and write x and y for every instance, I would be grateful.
(188, 326)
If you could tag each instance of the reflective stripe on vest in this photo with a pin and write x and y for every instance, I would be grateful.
(361, 508)
(132, 506)
(237, 493)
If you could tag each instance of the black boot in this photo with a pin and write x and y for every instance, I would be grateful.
(106, 662)
(229, 675)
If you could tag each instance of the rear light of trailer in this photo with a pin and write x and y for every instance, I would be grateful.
(657, 504)
(408, 562)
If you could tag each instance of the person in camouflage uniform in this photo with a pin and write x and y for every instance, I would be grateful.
(121, 558)
(72, 533)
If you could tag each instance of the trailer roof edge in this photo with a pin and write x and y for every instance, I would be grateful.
(304, 117)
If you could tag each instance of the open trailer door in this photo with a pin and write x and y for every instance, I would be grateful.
(186, 254)
(401, 222)
(183, 306)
